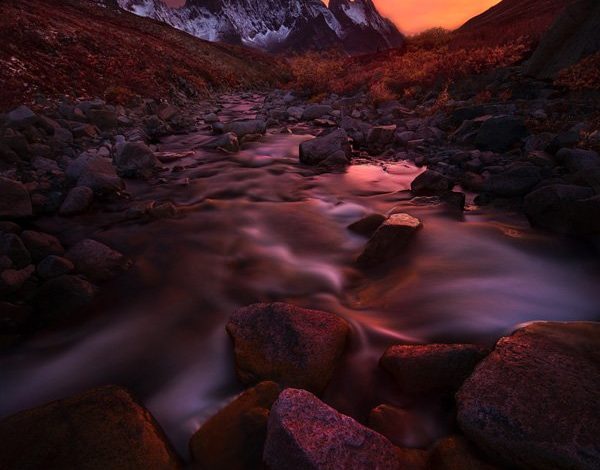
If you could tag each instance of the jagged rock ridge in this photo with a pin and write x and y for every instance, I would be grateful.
(279, 25)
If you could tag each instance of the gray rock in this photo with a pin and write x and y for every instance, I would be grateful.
(41, 244)
(78, 200)
(305, 433)
(96, 173)
(135, 160)
(563, 208)
(241, 128)
(295, 112)
(529, 404)
(21, 117)
(431, 183)
(356, 129)
(14, 199)
(54, 266)
(501, 133)
(97, 261)
(228, 142)
(315, 111)
(390, 240)
(13, 247)
(331, 149)
(515, 181)
(292, 346)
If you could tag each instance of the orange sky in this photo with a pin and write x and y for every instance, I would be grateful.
(413, 16)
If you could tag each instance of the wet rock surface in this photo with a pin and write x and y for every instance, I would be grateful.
(292, 346)
(527, 403)
(99, 429)
(303, 432)
(329, 150)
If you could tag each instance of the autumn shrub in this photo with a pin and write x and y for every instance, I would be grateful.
(584, 75)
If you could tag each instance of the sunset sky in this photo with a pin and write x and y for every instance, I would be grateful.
(413, 16)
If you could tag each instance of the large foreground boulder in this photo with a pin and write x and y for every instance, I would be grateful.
(292, 346)
(389, 240)
(97, 430)
(532, 403)
(330, 150)
(432, 367)
(305, 433)
(234, 438)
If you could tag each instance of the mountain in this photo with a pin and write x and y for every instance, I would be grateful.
(93, 48)
(513, 18)
(279, 25)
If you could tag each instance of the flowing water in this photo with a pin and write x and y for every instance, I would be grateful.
(257, 226)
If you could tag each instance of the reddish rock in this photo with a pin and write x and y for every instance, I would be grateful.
(101, 429)
(402, 427)
(292, 346)
(456, 453)
(390, 240)
(234, 438)
(432, 367)
(533, 402)
(305, 433)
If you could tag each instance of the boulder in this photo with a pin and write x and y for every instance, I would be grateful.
(210, 118)
(514, 181)
(135, 160)
(41, 244)
(380, 136)
(97, 261)
(500, 133)
(315, 111)
(292, 346)
(99, 429)
(456, 453)
(228, 142)
(304, 432)
(431, 183)
(234, 438)
(389, 240)
(531, 402)
(368, 225)
(13, 247)
(78, 200)
(54, 266)
(576, 160)
(104, 119)
(11, 280)
(356, 129)
(61, 296)
(95, 172)
(330, 149)
(563, 209)
(295, 112)
(14, 199)
(241, 128)
(21, 117)
(431, 368)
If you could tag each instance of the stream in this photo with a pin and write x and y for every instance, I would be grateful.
(257, 226)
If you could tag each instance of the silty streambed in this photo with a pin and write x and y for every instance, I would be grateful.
(257, 226)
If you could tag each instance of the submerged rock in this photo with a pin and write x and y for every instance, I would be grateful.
(331, 149)
(292, 346)
(305, 433)
(104, 428)
(234, 438)
(402, 427)
(389, 240)
(531, 402)
(430, 368)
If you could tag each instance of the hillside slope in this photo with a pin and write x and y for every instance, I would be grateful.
(85, 48)
(513, 18)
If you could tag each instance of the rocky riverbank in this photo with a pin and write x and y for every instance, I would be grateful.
(75, 164)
